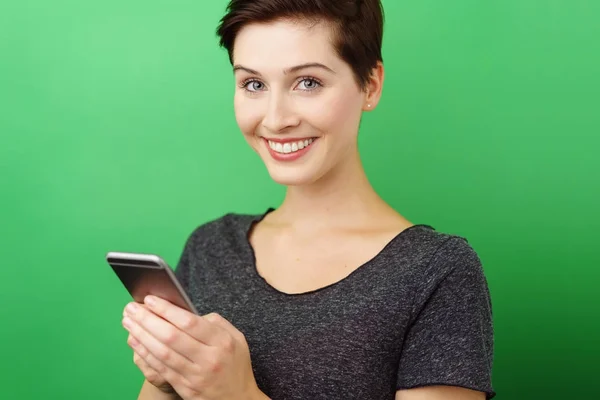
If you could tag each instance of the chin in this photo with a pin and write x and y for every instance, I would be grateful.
(292, 176)
(303, 171)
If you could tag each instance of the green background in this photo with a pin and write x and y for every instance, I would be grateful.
(118, 133)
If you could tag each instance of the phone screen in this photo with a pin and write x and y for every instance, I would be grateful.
(142, 278)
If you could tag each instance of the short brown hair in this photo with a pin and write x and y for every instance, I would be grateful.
(357, 26)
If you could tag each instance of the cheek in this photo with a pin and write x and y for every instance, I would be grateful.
(337, 114)
(247, 115)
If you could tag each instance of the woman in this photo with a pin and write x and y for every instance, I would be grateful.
(333, 295)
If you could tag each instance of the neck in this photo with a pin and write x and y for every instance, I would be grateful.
(342, 198)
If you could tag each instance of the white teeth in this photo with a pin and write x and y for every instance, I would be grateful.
(289, 147)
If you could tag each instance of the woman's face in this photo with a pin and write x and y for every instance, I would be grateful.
(296, 102)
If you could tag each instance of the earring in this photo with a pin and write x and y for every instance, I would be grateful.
(368, 105)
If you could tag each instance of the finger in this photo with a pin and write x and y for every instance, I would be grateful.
(160, 380)
(149, 373)
(128, 307)
(194, 325)
(165, 379)
(159, 356)
(165, 332)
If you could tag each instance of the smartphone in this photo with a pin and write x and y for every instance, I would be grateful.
(144, 274)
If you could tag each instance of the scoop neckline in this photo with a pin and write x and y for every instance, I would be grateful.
(360, 269)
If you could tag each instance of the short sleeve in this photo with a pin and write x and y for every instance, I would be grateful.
(450, 339)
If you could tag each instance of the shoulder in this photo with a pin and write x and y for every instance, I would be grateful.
(433, 258)
(227, 222)
(432, 251)
(439, 252)
(221, 233)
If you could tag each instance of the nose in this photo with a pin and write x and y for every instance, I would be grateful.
(280, 114)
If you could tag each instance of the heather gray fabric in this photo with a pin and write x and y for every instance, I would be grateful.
(419, 313)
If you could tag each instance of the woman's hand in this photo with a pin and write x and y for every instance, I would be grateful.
(151, 375)
(201, 357)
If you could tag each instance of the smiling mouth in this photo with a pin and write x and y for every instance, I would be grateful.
(290, 147)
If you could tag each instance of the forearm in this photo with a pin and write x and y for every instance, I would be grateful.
(151, 392)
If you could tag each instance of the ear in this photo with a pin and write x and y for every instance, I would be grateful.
(374, 87)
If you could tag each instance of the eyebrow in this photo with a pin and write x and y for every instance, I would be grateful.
(296, 68)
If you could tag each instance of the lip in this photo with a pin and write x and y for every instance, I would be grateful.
(288, 140)
(289, 156)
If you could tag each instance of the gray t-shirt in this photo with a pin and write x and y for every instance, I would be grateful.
(419, 313)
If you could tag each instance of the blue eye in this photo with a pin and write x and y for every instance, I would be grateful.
(253, 85)
(306, 84)
(309, 84)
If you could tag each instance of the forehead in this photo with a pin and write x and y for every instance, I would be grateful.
(282, 43)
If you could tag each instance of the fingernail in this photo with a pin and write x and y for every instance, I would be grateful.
(133, 342)
(132, 308)
(127, 323)
(150, 300)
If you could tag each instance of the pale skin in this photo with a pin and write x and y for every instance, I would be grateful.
(330, 222)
